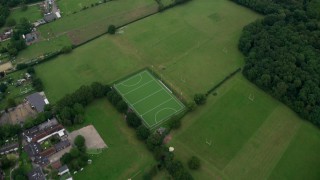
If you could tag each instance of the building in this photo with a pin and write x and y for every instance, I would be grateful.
(44, 131)
(50, 17)
(37, 101)
(36, 174)
(36, 136)
(12, 147)
(30, 37)
(63, 170)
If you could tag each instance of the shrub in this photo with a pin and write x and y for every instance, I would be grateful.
(142, 132)
(194, 163)
(112, 29)
(199, 99)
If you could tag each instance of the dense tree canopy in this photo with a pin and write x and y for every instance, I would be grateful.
(283, 53)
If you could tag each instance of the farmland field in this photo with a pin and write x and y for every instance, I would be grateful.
(125, 155)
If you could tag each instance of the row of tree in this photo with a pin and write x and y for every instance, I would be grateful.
(283, 53)
(153, 141)
(77, 158)
(70, 108)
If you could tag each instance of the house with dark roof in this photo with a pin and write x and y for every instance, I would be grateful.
(36, 174)
(31, 37)
(62, 145)
(37, 101)
(50, 17)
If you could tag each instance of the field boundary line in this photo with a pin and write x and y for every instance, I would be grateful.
(132, 84)
(146, 97)
(171, 95)
(156, 106)
(137, 88)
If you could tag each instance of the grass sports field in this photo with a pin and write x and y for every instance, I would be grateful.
(194, 46)
(149, 98)
(125, 157)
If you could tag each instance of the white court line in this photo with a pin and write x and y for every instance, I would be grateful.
(122, 84)
(171, 95)
(139, 74)
(146, 97)
(156, 107)
(165, 119)
(125, 99)
(138, 87)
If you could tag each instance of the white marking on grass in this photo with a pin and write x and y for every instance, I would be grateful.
(155, 116)
(138, 87)
(165, 86)
(156, 106)
(132, 84)
(146, 97)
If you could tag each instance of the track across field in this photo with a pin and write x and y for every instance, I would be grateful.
(149, 98)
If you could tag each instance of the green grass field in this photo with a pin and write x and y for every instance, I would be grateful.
(163, 40)
(125, 155)
(70, 6)
(149, 98)
(259, 139)
(39, 49)
(92, 18)
(193, 47)
(33, 14)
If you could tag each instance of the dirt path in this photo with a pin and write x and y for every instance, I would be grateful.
(29, 5)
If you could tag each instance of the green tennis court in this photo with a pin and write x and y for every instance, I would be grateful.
(149, 98)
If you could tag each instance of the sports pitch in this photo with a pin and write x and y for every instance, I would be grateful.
(149, 98)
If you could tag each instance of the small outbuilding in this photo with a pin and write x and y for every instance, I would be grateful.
(63, 170)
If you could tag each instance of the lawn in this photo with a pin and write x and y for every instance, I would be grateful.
(94, 20)
(236, 138)
(153, 101)
(125, 155)
(33, 13)
(187, 51)
(40, 48)
(68, 7)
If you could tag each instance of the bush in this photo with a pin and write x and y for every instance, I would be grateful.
(175, 122)
(80, 143)
(194, 163)
(133, 120)
(199, 99)
(66, 49)
(112, 29)
(142, 132)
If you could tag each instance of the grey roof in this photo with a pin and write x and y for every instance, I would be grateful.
(63, 168)
(50, 17)
(61, 145)
(36, 174)
(32, 149)
(31, 37)
(37, 101)
(9, 147)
